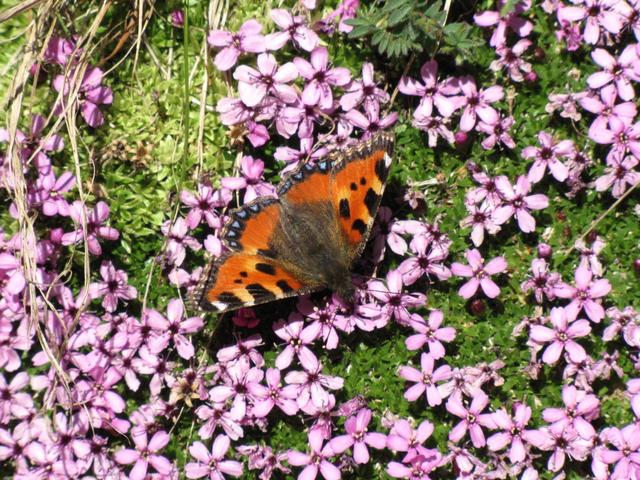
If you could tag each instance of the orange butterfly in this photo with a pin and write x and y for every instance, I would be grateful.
(307, 239)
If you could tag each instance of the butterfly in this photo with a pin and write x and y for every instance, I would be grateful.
(306, 240)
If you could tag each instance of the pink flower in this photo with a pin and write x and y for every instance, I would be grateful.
(212, 464)
(51, 193)
(626, 455)
(510, 59)
(320, 78)
(419, 466)
(430, 333)
(346, 10)
(395, 302)
(311, 383)
(177, 18)
(11, 276)
(358, 437)
(580, 408)
(297, 337)
(90, 95)
(542, 282)
(502, 23)
(145, 454)
(497, 132)
(618, 174)
(269, 78)
(518, 203)
(59, 50)
(293, 28)
(547, 156)
(622, 71)
(370, 122)
(113, 287)
(477, 104)
(425, 380)
(95, 229)
(238, 383)
(480, 219)
(605, 107)
(627, 321)
(245, 349)
(566, 103)
(511, 432)
(246, 40)
(585, 294)
(428, 260)
(561, 337)
(177, 241)
(431, 91)
(316, 461)
(599, 14)
(273, 394)
(202, 204)
(149, 363)
(435, 126)
(251, 180)
(175, 328)
(365, 90)
(622, 134)
(218, 415)
(487, 192)
(472, 418)
(404, 438)
(562, 441)
(13, 402)
(479, 274)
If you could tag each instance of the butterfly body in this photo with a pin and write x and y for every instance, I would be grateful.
(307, 239)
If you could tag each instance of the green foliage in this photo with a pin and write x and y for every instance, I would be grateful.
(398, 28)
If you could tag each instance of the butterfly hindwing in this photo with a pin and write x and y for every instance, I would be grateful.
(358, 182)
(241, 280)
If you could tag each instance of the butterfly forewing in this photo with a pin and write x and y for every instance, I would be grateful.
(250, 227)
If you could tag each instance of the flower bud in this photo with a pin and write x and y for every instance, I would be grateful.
(544, 251)
(177, 18)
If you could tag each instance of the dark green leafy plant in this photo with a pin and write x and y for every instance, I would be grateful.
(398, 28)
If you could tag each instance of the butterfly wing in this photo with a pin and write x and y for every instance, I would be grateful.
(251, 273)
(238, 280)
(359, 176)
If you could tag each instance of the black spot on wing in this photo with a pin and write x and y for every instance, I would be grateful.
(353, 186)
(243, 274)
(267, 253)
(229, 299)
(371, 201)
(259, 293)
(363, 181)
(382, 170)
(284, 286)
(265, 268)
(237, 281)
(343, 208)
(359, 225)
